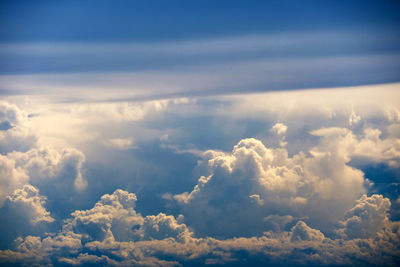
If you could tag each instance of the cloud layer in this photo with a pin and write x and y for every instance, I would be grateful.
(230, 180)
(94, 236)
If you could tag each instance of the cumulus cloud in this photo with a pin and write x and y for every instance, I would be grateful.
(52, 170)
(353, 118)
(28, 201)
(112, 225)
(366, 218)
(113, 215)
(24, 160)
(11, 177)
(369, 145)
(293, 204)
(121, 143)
(280, 129)
(167, 241)
(16, 133)
(253, 182)
(47, 163)
(22, 213)
(302, 232)
(27, 167)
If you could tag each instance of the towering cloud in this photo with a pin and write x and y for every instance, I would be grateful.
(366, 218)
(253, 182)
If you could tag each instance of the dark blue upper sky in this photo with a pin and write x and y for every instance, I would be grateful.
(171, 20)
(271, 44)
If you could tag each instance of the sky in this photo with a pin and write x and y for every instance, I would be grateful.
(199, 133)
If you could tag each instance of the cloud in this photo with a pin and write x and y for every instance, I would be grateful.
(253, 182)
(41, 164)
(280, 130)
(23, 213)
(119, 111)
(366, 218)
(18, 134)
(319, 107)
(27, 167)
(166, 241)
(302, 232)
(121, 143)
(248, 201)
(28, 201)
(370, 146)
(163, 226)
(10, 177)
(198, 67)
(25, 160)
(113, 212)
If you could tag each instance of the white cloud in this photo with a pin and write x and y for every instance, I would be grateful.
(165, 241)
(24, 212)
(302, 232)
(278, 205)
(112, 213)
(121, 143)
(366, 218)
(254, 181)
(163, 226)
(24, 159)
(29, 202)
(369, 145)
(11, 177)
(280, 129)
(18, 134)
(353, 118)
(48, 163)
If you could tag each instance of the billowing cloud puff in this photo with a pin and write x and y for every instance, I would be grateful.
(15, 130)
(27, 167)
(112, 224)
(23, 160)
(11, 177)
(163, 226)
(369, 145)
(366, 218)
(253, 182)
(113, 215)
(165, 241)
(40, 167)
(23, 213)
(280, 129)
(47, 163)
(114, 218)
(29, 202)
(301, 231)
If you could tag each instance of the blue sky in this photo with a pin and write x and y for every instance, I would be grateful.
(356, 40)
(24, 21)
(199, 133)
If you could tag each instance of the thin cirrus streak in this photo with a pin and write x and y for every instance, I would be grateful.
(218, 79)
